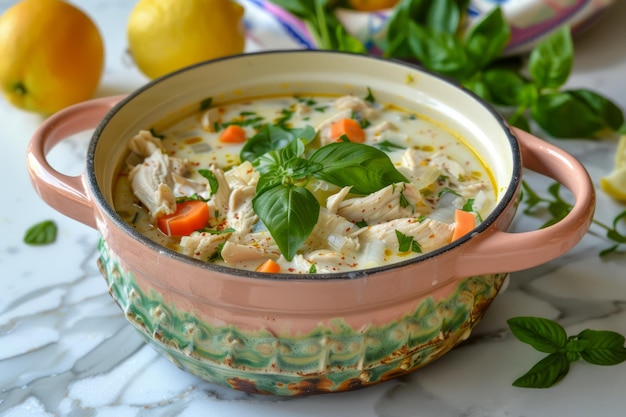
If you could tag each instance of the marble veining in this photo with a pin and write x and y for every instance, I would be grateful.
(66, 348)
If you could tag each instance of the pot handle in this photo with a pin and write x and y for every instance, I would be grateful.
(66, 194)
(501, 251)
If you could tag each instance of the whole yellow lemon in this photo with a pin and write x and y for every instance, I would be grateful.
(52, 55)
(166, 35)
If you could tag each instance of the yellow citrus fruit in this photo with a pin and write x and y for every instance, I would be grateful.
(52, 55)
(166, 35)
(371, 5)
(614, 184)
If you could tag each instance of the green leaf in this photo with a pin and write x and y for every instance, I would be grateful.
(444, 16)
(603, 347)
(545, 373)
(551, 61)
(542, 334)
(363, 167)
(604, 109)
(440, 52)
(42, 233)
(289, 213)
(271, 138)
(210, 176)
(206, 103)
(397, 26)
(566, 115)
(509, 88)
(487, 40)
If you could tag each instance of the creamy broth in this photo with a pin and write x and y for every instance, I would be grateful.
(187, 159)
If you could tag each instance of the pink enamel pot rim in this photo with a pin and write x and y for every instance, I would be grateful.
(488, 249)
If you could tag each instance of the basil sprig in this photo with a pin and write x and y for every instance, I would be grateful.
(597, 347)
(286, 207)
(558, 208)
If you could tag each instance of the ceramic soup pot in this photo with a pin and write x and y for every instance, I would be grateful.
(292, 335)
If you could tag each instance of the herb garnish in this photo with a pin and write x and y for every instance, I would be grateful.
(210, 176)
(597, 347)
(42, 233)
(206, 103)
(407, 243)
(286, 207)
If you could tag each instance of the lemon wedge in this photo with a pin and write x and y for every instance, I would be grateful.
(614, 184)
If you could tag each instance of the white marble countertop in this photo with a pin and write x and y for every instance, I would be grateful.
(66, 349)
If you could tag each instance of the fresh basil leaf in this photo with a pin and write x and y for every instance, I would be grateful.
(210, 176)
(542, 334)
(565, 115)
(387, 146)
(509, 88)
(487, 40)
(603, 347)
(445, 15)
(440, 52)
(606, 111)
(289, 213)
(271, 138)
(551, 61)
(397, 27)
(363, 167)
(42, 233)
(545, 373)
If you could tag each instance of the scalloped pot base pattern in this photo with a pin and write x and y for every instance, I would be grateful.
(333, 357)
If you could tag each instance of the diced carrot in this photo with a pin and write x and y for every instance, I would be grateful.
(269, 266)
(190, 216)
(233, 134)
(349, 127)
(465, 223)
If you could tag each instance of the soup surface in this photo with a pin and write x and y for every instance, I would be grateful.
(302, 184)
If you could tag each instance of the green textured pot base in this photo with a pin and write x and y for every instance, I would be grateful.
(333, 357)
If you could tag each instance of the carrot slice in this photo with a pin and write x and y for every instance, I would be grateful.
(190, 216)
(269, 266)
(465, 223)
(233, 134)
(349, 127)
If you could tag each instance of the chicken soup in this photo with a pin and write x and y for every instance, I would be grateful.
(302, 184)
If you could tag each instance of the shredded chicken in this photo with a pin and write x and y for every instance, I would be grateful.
(392, 202)
(209, 118)
(218, 204)
(202, 245)
(337, 232)
(233, 253)
(241, 215)
(152, 182)
(356, 104)
(429, 233)
(144, 144)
